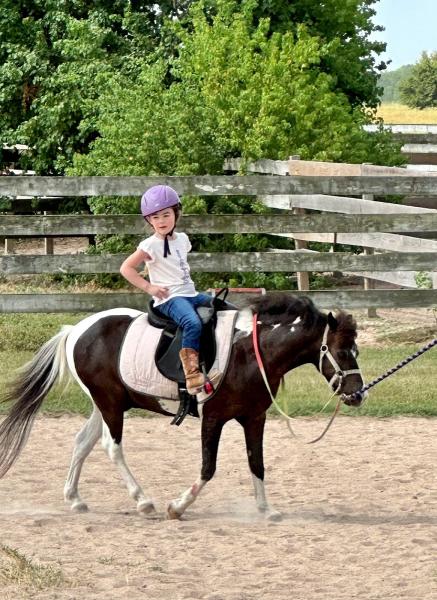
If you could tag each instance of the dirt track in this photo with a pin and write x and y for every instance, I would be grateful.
(359, 515)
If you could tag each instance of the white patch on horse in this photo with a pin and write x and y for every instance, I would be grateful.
(295, 322)
(276, 325)
(243, 324)
(83, 326)
(168, 405)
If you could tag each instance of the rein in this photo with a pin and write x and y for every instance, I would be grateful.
(337, 377)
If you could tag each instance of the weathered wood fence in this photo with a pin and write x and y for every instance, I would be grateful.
(276, 191)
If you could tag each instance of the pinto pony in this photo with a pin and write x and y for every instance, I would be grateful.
(291, 332)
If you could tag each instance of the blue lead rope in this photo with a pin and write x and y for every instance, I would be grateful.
(360, 393)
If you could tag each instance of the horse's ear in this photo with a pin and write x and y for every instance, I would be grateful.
(332, 322)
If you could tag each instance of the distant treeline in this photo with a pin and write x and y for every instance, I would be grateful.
(391, 80)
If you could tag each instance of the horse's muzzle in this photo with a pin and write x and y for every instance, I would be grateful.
(354, 399)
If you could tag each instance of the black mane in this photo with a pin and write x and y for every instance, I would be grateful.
(283, 307)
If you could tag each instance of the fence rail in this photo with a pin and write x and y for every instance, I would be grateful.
(219, 262)
(93, 302)
(76, 225)
(219, 185)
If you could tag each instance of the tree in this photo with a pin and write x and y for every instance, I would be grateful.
(237, 89)
(390, 82)
(56, 57)
(420, 89)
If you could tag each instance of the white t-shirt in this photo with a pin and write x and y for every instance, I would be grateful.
(173, 271)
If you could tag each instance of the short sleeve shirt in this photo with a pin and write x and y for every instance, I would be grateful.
(173, 271)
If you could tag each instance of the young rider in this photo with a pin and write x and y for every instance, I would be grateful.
(165, 254)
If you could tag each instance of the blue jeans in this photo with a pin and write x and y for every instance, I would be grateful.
(182, 309)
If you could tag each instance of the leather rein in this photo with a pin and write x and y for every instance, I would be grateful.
(336, 380)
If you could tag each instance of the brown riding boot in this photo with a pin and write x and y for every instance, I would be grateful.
(190, 363)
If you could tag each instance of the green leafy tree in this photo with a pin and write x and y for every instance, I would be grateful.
(237, 89)
(352, 60)
(419, 90)
(56, 57)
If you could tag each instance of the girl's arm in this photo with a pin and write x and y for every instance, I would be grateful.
(129, 271)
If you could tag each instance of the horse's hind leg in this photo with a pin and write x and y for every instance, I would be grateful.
(111, 442)
(211, 432)
(84, 443)
(254, 434)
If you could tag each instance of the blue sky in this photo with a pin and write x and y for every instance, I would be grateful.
(410, 29)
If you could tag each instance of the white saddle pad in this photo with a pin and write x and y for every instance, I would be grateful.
(137, 357)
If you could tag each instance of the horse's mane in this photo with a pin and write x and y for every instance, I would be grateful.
(283, 308)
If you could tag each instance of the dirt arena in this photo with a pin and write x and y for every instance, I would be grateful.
(359, 516)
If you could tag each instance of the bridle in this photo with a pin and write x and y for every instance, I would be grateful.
(336, 380)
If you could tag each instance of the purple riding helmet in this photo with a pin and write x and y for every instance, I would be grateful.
(158, 198)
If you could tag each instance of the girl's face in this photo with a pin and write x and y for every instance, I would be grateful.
(163, 222)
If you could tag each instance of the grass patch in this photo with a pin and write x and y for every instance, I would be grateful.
(17, 569)
(399, 114)
(19, 332)
(70, 400)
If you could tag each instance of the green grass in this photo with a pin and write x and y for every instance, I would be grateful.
(412, 390)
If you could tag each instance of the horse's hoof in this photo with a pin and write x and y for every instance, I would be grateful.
(146, 507)
(79, 507)
(274, 516)
(172, 513)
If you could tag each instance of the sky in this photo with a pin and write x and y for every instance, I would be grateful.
(410, 29)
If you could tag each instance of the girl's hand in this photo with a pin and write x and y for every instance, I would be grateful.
(158, 291)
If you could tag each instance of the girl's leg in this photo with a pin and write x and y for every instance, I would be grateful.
(183, 312)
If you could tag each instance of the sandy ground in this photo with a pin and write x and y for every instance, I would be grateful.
(359, 515)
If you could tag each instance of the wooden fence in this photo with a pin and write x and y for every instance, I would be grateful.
(276, 191)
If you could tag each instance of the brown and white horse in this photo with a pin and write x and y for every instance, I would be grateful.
(291, 332)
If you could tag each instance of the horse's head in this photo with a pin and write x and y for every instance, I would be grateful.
(338, 358)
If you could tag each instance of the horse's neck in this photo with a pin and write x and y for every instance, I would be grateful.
(289, 349)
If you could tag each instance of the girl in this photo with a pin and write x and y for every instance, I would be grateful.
(170, 284)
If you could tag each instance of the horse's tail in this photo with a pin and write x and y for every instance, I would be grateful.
(27, 392)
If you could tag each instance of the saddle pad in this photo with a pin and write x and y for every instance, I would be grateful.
(137, 356)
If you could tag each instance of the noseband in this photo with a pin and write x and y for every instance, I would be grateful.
(336, 380)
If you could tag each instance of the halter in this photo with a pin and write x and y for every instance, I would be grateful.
(324, 351)
(339, 374)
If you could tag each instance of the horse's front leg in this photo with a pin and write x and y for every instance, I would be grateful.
(254, 434)
(211, 432)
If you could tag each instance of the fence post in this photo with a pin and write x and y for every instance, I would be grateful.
(369, 284)
(9, 245)
(48, 242)
(303, 277)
